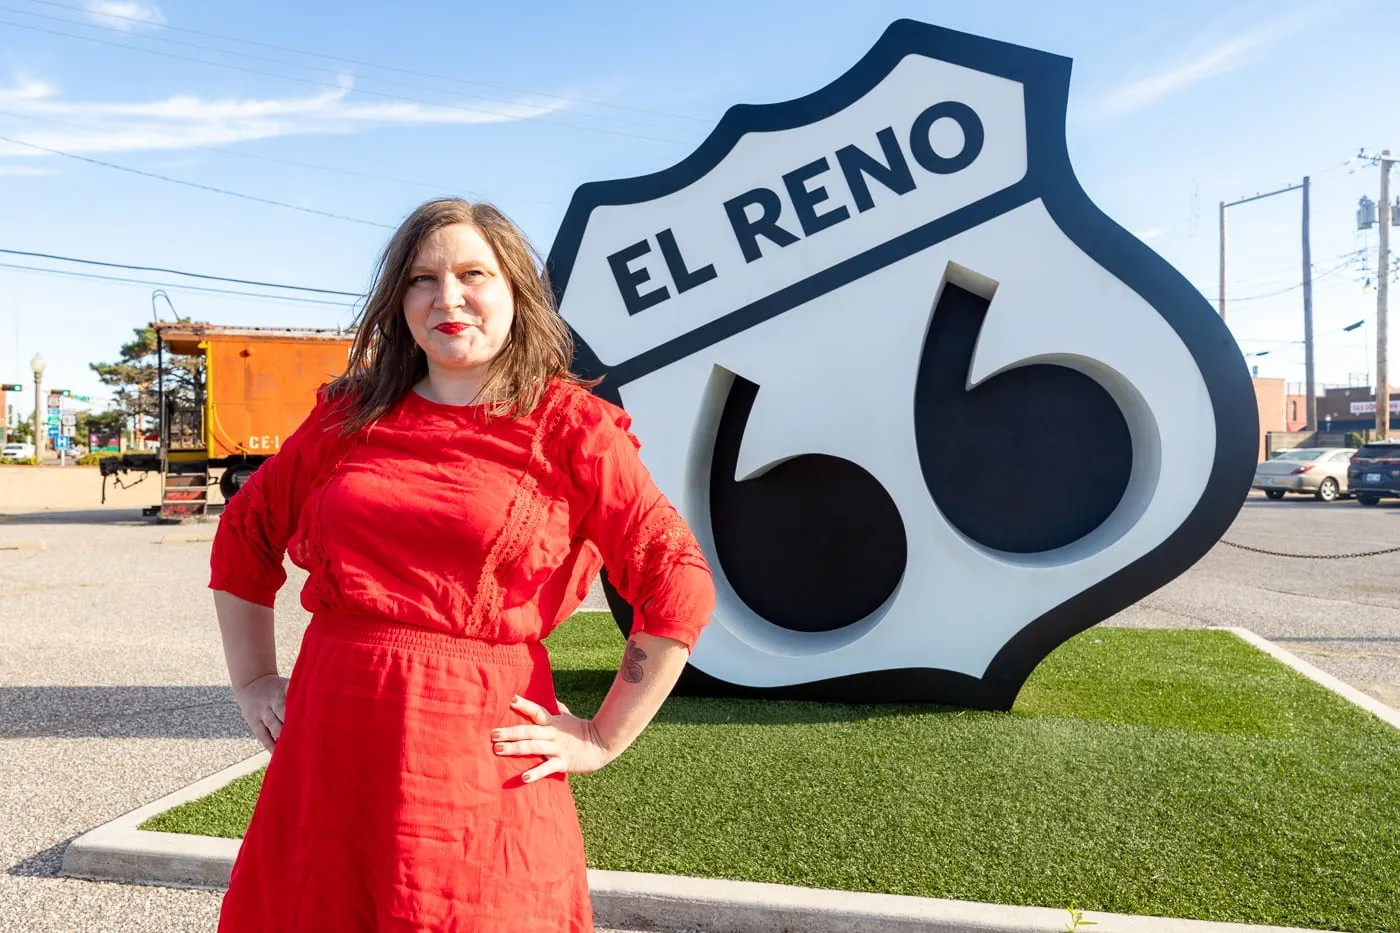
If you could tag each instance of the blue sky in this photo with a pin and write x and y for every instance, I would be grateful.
(1173, 107)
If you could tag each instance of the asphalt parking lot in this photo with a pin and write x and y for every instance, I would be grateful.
(112, 689)
(1343, 615)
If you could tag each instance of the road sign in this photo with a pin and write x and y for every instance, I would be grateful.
(933, 182)
(70, 418)
(53, 430)
(61, 443)
(68, 430)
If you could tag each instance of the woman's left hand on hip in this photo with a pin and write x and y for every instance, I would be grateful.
(567, 743)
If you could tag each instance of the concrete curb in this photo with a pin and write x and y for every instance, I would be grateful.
(187, 539)
(671, 902)
(118, 851)
(1346, 691)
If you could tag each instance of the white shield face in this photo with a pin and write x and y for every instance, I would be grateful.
(927, 410)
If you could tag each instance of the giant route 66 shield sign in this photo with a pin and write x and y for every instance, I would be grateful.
(927, 409)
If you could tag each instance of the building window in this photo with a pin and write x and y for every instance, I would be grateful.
(1293, 411)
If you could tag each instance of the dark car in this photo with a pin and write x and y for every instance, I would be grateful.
(1374, 473)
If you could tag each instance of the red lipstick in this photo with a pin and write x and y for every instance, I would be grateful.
(451, 328)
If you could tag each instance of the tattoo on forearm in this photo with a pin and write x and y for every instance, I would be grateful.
(632, 659)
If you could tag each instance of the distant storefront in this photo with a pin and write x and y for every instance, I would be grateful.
(1352, 409)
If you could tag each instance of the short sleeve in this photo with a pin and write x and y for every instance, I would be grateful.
(651, 555)
(257, 523)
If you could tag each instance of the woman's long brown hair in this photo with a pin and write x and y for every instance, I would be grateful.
(385, 361)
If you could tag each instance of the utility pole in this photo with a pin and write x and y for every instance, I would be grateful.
(1382, 300)
(36, 365)
(1311, 389)
(1385, 160)
(1222, 262)
(1310, 372)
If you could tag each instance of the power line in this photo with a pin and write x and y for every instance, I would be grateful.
(197, 185)
(1345, 260)
(364, 64)
(189, 288)
(1281, 344)
(1291, 272)
(327, 84)
(192, 275)
(1262, 295)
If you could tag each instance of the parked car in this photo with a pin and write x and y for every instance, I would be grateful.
(1375, 472)
(1320, 472)
(16, 451)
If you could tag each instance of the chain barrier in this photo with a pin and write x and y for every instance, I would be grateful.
(1260, 550)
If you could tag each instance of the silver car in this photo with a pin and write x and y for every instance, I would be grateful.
(1320, 472)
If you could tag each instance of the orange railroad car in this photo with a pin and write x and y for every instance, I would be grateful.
(257, 386)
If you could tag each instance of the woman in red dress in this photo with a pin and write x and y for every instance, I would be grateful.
(452, 496)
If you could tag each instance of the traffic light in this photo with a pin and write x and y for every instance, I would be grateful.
(64, 392)
(12, 387)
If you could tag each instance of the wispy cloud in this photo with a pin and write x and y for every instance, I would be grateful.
(126, 15)
(1151, 233)
(1202, 63)
(186, 121)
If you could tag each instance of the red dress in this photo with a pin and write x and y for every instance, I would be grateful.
(442, 545)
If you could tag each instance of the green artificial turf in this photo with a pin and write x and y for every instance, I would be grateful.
(1176, 773)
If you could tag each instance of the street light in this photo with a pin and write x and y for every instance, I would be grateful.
(160, 293)
(1365, 343)
(160, 362)
(1307, 286)
(37, 365)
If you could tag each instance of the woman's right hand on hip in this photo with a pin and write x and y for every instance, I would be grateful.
(263, 703)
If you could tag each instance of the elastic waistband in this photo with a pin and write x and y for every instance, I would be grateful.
(386, 632)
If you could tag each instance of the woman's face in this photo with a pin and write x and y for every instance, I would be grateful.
(458, 305)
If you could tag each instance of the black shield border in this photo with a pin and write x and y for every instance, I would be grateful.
(1050, 177)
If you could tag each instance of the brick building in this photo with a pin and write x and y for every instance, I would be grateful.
(1353, 409)
(1279, 410)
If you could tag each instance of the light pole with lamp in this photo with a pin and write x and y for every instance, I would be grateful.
(160, 362)
(1365, 344)
(37, 365)
(1311, 389)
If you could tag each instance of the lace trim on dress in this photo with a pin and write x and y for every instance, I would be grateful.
(658, 542)
(525, 511)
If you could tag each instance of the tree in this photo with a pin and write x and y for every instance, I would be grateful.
(133, 380)
(22, 431)
(103, 424)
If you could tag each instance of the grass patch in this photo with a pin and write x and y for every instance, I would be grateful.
(1177, 773)
(225, 812)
